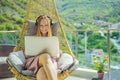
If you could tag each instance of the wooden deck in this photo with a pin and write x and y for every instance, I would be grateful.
(4, 52)
(69, 78)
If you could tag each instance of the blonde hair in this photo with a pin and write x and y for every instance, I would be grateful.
(38, 25)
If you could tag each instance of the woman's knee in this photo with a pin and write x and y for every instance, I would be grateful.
(41, 75)
(44, 58)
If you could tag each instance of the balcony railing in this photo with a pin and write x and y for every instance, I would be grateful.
(105, 42)
(86, 43)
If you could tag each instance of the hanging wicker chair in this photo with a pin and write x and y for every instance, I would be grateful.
(34, 9)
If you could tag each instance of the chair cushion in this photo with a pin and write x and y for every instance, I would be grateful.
(64, 62)
(74, 65)
(28, 72)
(17, 60)
(32, 28)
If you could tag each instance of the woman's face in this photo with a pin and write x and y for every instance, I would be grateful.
(44, 26)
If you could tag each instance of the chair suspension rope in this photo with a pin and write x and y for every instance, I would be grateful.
(24, 27)
(63, 31)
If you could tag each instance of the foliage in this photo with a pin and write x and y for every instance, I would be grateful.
(96, 41)
(99, 63)
(12, 14)
(115, 59)
(77, 11)
(113, 48)
(8, 38)
(115, 35)
(96, 38)
(9, 26)
(89, 11)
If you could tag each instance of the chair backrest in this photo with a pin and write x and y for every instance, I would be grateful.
(32, 28)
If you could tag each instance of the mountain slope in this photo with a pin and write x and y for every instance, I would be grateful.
(73, 13)
(89, 11)
(12, 13)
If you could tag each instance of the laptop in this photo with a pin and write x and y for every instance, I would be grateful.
(35, 45)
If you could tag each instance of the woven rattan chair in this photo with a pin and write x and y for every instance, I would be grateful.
(34, 9)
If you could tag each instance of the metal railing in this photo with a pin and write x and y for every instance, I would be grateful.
(76, 45)
(108, 31)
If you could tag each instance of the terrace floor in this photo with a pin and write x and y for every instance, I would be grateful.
(69, 78)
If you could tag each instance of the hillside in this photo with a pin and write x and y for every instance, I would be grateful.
(96, 12)
(73, 13)
(12, 13)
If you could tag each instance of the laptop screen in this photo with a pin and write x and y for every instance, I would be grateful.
(35, 45)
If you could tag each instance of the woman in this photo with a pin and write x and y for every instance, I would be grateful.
(44, 67)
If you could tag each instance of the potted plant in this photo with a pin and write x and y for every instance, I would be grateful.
(99, 63)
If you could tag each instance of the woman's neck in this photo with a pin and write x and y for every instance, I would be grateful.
(44, 34)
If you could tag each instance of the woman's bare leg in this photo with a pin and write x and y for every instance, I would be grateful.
(46, 62)
(41, 75)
